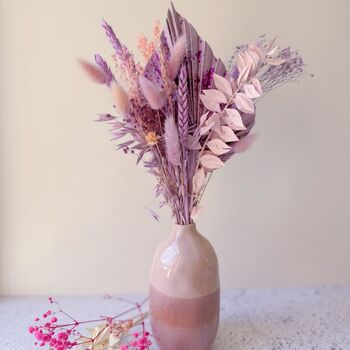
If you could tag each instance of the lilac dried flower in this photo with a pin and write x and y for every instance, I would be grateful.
(118, 47)
(290, 70)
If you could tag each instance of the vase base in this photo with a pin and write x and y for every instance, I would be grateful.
(184, 323)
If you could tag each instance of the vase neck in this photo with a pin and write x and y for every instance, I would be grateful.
(179, 230)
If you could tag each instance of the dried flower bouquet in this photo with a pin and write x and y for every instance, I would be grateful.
(184, 113)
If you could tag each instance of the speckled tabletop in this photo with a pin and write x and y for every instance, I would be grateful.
(298, 319)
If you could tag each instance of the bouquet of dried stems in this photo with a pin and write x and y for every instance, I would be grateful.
(184, 113)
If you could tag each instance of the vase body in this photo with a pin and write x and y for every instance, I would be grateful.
(184, 293)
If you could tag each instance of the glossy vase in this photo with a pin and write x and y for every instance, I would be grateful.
(184, 291)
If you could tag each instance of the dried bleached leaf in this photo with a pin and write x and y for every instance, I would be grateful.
(222, 84)
(198, 180)
(250, 91)
(211, 162)
(272, 51)
(233, 119)
(256, 50)
(240, 61)
(227, 134)
(244, 103)
(203, 118)
(216, 95)
(215, 119)
(244, 74)
(196, 211)
(209, 103)
(218, 147)
(257, 85)
(204, 129)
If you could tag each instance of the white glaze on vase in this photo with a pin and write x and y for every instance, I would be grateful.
(185, 291)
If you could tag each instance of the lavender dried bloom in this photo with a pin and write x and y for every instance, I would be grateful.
(182, 96)
(288, 71)
(118, 48)
(105, 68)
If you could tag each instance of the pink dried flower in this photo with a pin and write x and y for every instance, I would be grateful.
(67, 335)
(93, 72)
(154, 95)
(177, 53)
(120, 97)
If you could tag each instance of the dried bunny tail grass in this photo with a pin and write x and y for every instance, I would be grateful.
(93, 72)
(172, 142)
(177, 53)
(154, 95)
(120, 98)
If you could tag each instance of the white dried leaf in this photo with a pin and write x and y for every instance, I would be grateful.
(198, 180)
(209, 103)
(203, 118)
(233, 119)
(244, 74)
(250, 91)
(272, 51)
(196, 211)
(206, 128)
(211, 162)
(216, 95)
(244, 103)
(218, 147)
(257, 85)
(222, 84)
(227, 134)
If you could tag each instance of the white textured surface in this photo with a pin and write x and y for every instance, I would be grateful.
(298, 319)
(281, 210)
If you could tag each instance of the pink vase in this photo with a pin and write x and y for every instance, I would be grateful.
(185, 291)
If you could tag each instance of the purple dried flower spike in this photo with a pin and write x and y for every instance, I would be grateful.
(182, 96)
(118, 48)
(105, 68)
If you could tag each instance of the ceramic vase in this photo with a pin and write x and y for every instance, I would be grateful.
(184, 291)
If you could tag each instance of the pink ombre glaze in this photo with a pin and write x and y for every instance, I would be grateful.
(185, 291)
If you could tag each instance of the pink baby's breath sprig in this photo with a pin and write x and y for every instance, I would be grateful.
(55, 329)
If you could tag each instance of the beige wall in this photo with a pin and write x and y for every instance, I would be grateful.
(73, 217)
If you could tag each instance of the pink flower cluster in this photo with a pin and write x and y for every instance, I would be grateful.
(141, 342)
(50, 332)
(47, 333)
